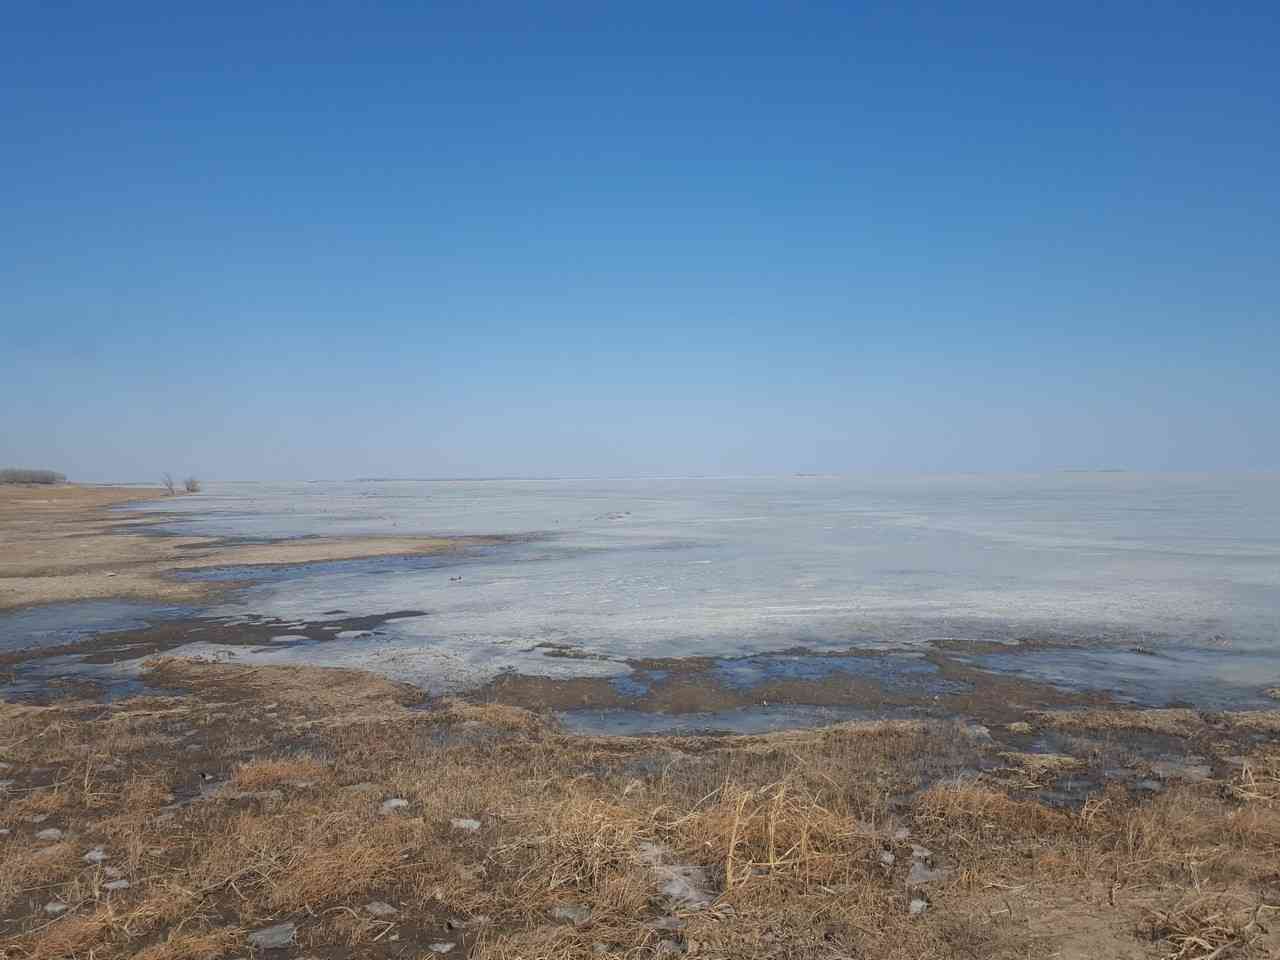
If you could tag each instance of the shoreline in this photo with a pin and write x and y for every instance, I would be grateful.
(61, 544)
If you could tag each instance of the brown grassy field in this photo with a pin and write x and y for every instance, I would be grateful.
(259, 796)
(62, 542)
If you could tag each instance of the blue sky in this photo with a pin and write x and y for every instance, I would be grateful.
(330, 240)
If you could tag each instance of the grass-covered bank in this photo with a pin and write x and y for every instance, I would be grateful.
(260, 799)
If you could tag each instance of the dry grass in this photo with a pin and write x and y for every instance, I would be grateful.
(796, 837)
(1174, 722)
(271, 772)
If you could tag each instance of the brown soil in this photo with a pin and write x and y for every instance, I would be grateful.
(256, 798)
(64, 543)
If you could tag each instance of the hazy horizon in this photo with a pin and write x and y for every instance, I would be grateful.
(722, 239)
(155, 481)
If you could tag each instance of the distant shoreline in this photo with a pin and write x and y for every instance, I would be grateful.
(62, 544)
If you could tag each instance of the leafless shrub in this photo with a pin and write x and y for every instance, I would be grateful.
(170, 484)
(191, 485)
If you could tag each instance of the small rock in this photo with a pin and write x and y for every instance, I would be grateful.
(667, 948)
(115, 885)
(917, 906)
(113, 873)
(441, 947)
(1020, 726)
(887, 858)
(55, 909)
(600, 949)
(901, 835)
(394, 804)
(38, 818)
(572, 913)
(686, 884)
(380, 909)
(921, 873)
(365, 787)
(52, 833)
(274, 938)
(6, 784)
(920, 853)
(96, 855)
(471, 826)
(1150, 786)
(4, 832)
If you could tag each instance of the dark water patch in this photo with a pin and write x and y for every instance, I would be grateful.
(1204, 678)
(56, 624)
(781, 684)
(67, 678)
(112, 658)
(896, 672)
(639, 682)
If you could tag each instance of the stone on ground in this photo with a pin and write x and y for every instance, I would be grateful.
(274, 938)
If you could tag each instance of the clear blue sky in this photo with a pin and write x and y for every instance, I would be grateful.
(325, 240)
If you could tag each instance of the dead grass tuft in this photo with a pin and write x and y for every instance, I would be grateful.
(497, 715)
(206, 945)
(779, 831)
(273, 772)
(1208, 927)
(1174, 722)
(975, 812)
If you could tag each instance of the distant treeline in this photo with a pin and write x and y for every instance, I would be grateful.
(11, 475)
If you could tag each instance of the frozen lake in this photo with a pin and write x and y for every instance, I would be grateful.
(677, 567)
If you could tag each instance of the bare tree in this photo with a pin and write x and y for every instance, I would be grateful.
(169, 483)
(191, 485)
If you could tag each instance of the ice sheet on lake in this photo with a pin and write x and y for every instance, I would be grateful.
(655, 568)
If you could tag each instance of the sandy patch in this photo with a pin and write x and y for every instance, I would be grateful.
(62, 543)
